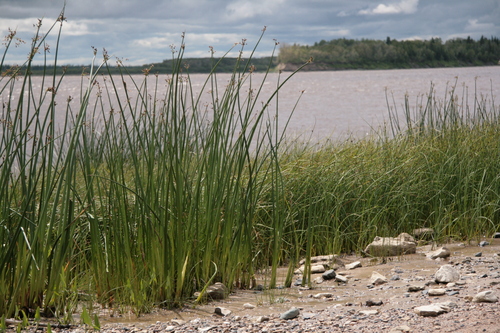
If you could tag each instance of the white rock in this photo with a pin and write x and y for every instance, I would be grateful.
(485, 296)
(368, 312)
(178, 321)
(446, 274)
(248, 306)
(353, 265)
(377, 278)
(325, 295)
(431, 310)
(389, 246)
(341, 278)
(222, 311)
(437, 292)
(317, 269)
(261, 319)
(439, 253)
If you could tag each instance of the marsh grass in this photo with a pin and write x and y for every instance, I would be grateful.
(139, 202)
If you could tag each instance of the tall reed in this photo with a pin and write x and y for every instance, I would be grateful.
(142, 200)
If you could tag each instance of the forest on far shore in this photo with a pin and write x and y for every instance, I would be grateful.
(377, 54)
(337, 54)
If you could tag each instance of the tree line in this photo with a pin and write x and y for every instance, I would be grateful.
(366, 53)
(339, 53)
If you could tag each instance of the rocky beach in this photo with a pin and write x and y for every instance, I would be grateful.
(447, 288)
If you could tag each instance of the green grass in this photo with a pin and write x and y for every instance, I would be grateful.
(142, 206)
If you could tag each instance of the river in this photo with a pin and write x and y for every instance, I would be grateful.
(338, 104)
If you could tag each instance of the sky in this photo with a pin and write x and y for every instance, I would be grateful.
(146, 31)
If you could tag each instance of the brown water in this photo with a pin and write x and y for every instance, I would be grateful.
(334, 104)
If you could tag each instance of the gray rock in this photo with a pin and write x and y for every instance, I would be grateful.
(217, 291)
(431, 310)
(483, 243)
(377, 279)
(485, 296)
(329, 274)
(439, 253)
(290, 314)
(389, 246)
(446, 274)
(413, 289)
(323, 295)
(479, 254)
(496, 235)
(373, 303)
(248, 306)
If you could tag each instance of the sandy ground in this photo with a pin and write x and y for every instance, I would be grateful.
(343, 310)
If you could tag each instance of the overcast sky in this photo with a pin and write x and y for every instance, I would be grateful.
(142, 31)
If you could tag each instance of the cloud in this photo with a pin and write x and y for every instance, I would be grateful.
(245, 9)
(404, 7)
(474, 25)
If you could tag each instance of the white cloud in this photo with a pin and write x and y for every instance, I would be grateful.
(403, 7)
(474, 25)
(244, 9)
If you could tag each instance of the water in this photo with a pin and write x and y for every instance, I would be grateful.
(335, 104)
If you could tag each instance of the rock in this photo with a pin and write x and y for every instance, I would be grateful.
(377, 279)
(308, 315)
(317, 259)
(437, 292)
(341, 278)
(353, 265)
(261, 319)
(315, 269)
(329, 274)
(401, 328)
(413, 289)
(290, 314)
(178, 322)
(222, 311)
(423, 233)
(483, 243)
(323, 295)
(431, 310)
(439, 253)
(319, 280)
(479, 254)
(446, 273)
(248, 306)
(496, 235)
(485, 296)
(217, 291)
(389, 246)
(368, 312)
(373, 303)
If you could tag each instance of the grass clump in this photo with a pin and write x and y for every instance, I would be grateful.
(141, 201)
